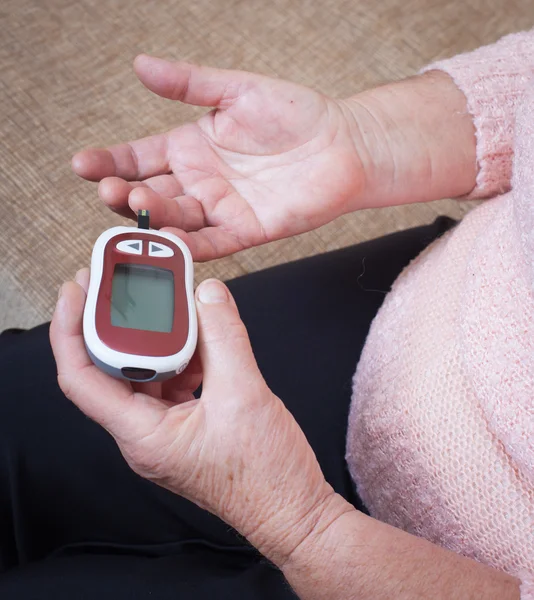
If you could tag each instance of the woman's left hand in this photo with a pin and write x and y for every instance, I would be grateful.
(236, 451)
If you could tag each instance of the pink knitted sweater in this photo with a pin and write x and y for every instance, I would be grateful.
(441, 429)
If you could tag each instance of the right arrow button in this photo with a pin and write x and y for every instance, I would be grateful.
(160, 250)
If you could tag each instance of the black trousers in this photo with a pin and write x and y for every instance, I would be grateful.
(76, 523)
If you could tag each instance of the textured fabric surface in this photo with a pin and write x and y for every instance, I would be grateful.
(441, 431)
(527, 588)
(67, 83)
(494, 80)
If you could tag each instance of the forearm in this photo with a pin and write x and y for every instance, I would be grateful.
(426, 116)
(348, 555)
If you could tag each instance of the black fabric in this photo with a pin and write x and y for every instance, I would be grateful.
(75, 522)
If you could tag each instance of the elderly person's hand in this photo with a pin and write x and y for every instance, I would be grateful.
(275, 159)
(236, 451)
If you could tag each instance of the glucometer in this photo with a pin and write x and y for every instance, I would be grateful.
(140, 320)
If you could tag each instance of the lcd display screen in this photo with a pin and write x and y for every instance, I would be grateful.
(142, 297)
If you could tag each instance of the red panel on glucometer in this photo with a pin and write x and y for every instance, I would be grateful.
(142, 325)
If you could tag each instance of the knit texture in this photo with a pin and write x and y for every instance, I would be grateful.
(441, 428)
(493, 79)
(527, 587)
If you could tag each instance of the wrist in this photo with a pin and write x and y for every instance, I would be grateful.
(291, 539)
(416, 140)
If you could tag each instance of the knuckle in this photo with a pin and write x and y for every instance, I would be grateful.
(235, 331)
(230, 330)
(65, 384)
(151, 455)
(145, 462)
(181, 86)
(71, 382)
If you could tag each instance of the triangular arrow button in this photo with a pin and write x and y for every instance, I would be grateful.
(159, 250)
(130, 246)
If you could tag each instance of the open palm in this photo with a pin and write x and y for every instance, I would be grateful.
(273, 159)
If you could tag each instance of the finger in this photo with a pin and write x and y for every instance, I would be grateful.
(186, 382)
(82, 279)
(192, 84)
(108, 401)
(152, 388)
(135, 160)
(114, 191)
(182, 405)
(228, 363)
(165, 185)
(186, 399)
(184, 212)
(209, 243)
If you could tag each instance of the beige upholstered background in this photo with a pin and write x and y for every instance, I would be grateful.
(66, 82)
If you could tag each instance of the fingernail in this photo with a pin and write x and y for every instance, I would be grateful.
(212, 292)
(60, 291)
(78, 276)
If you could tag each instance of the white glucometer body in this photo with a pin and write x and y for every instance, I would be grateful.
(140, 320)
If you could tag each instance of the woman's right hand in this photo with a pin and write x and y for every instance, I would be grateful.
(235, 451)
(275, 159)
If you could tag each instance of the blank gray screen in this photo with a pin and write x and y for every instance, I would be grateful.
(142, 297)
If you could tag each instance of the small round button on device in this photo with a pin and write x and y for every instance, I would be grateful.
(161, 250)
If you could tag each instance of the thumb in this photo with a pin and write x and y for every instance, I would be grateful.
(224, 346)
(191, 84)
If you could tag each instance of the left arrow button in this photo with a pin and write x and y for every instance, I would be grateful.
(130, 246)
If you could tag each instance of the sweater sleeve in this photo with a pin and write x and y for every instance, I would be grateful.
(494, 79)
(527, 587)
